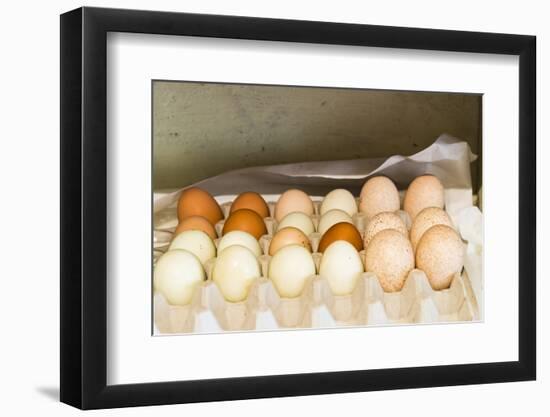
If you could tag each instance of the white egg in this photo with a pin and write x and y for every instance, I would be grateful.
(197, 242)
(330, 218)
(177, 275)
(339, 199)
(341, 266)
(235, 270)
(289, 270)
(238, 237)
(298, 220)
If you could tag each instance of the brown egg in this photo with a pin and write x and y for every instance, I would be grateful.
(196, 223)
(197, 202)
(251, 200)
(247, 221)
(341, 231)
(291, 201)
(288, 236)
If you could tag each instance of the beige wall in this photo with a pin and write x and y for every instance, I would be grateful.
(201, 130)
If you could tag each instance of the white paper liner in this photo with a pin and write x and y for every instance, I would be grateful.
(448, 158)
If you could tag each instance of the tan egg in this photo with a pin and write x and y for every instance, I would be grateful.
(330, 218)
(298, 220)
(196, 223)
(378, 195)
(340, 199)
(390, 256)
(288, 236)
(251, 200)
(440, 254)
(430, 216)
(424, 191)
(341, 231)
(291, 201)
(197, 202)
(245, 220)
(383, 221)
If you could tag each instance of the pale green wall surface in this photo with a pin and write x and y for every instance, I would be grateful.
(204, 129)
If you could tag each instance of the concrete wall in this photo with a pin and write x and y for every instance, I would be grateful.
(201, 130)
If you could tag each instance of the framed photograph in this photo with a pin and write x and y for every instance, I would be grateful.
(257, 208)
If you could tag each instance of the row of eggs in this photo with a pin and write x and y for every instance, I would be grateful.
(391, 251)
(197, 209)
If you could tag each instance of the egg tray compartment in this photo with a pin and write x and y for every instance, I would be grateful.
(317, 307)
(369, 305)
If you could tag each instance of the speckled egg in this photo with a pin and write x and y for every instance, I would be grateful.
(440, 254)
(427, 218)
(378, 195)
(424, 191)
(390, 256)
(383, 221)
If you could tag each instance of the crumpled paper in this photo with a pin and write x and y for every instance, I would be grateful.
(448, 158)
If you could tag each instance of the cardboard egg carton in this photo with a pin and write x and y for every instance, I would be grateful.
(317, 307)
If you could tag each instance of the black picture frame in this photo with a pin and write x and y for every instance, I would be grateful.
(84, 207)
